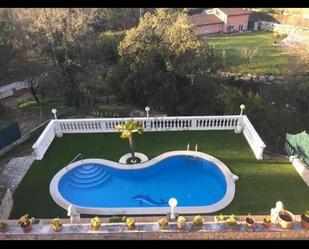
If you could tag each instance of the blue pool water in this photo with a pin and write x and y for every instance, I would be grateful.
(193, 181)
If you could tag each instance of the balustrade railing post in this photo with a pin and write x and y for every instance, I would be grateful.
(240, 121)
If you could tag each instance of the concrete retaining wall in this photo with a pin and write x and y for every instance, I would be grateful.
(279, 28)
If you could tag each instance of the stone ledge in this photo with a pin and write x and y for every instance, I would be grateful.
(151, 230)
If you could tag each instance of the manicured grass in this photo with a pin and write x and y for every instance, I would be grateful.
(261, 183)
(270, 59)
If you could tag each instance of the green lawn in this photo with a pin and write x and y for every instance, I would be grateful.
(261, 183)
(270, 60)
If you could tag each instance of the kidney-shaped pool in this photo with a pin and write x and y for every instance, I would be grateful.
(199, 182)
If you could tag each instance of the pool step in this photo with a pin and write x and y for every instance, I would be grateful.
(88, 171)
(91, 184)
(88, 166)
(86, 176)
(89, 179)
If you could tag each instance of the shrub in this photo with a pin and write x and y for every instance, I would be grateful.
(56, 224)
(117, 219)
(198, 221)
(95, 223)
(3, 224)
(130, 222)
(163, 223)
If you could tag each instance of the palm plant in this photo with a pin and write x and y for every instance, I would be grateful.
(127, 130)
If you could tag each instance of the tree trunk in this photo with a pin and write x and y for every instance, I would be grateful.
(34, 94)
(131, 142)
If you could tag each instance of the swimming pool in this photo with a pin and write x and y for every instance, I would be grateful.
(199, 182)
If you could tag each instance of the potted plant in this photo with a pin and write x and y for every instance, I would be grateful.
(220, 218)
(305, 219)
(198, 221)
(56, 224)
(286, 219)
(95, 223)
(267, 221)
(250, 222)
(26, 223)
(3, 226)
(231, 221)
(181, 222)
(163, 223)
(130, 222)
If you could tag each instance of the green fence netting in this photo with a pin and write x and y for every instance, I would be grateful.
(298, 145)
(9, 135)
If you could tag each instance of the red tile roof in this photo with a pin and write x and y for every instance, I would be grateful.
(235, 11)
(203, 19)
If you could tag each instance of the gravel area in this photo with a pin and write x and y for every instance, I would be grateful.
(14, 171)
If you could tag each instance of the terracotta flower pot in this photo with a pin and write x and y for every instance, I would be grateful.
(131, 227)
(181, 226)
(27, 229)
(250, 222)
(286, 219)
(95, 227)
(304, 221)
(56, 228)
(4, 229)
(266, 223)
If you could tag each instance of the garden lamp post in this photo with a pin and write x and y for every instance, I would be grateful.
(147, 109)
(240, 124)
(54, 111)
(242, 107)
(173, 203)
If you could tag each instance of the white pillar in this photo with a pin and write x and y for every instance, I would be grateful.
(54, 111)
(240, 124)
(242, 107)
(147, 109)
(173, 203)
(74, 215)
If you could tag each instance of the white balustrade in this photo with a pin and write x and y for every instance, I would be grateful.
(44, 141)
(151, 124)
(253, 138)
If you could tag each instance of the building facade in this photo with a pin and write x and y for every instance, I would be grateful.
(221, 20)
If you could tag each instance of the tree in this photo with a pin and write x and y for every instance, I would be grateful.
(127, 130)
(9, 48)
(106, 45)
(160, 60)
(63, 37)
(248, 54)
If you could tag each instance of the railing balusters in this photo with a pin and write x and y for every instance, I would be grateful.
(151, 124)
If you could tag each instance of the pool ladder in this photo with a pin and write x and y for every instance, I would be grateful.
(77, 156)
(188, 147)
